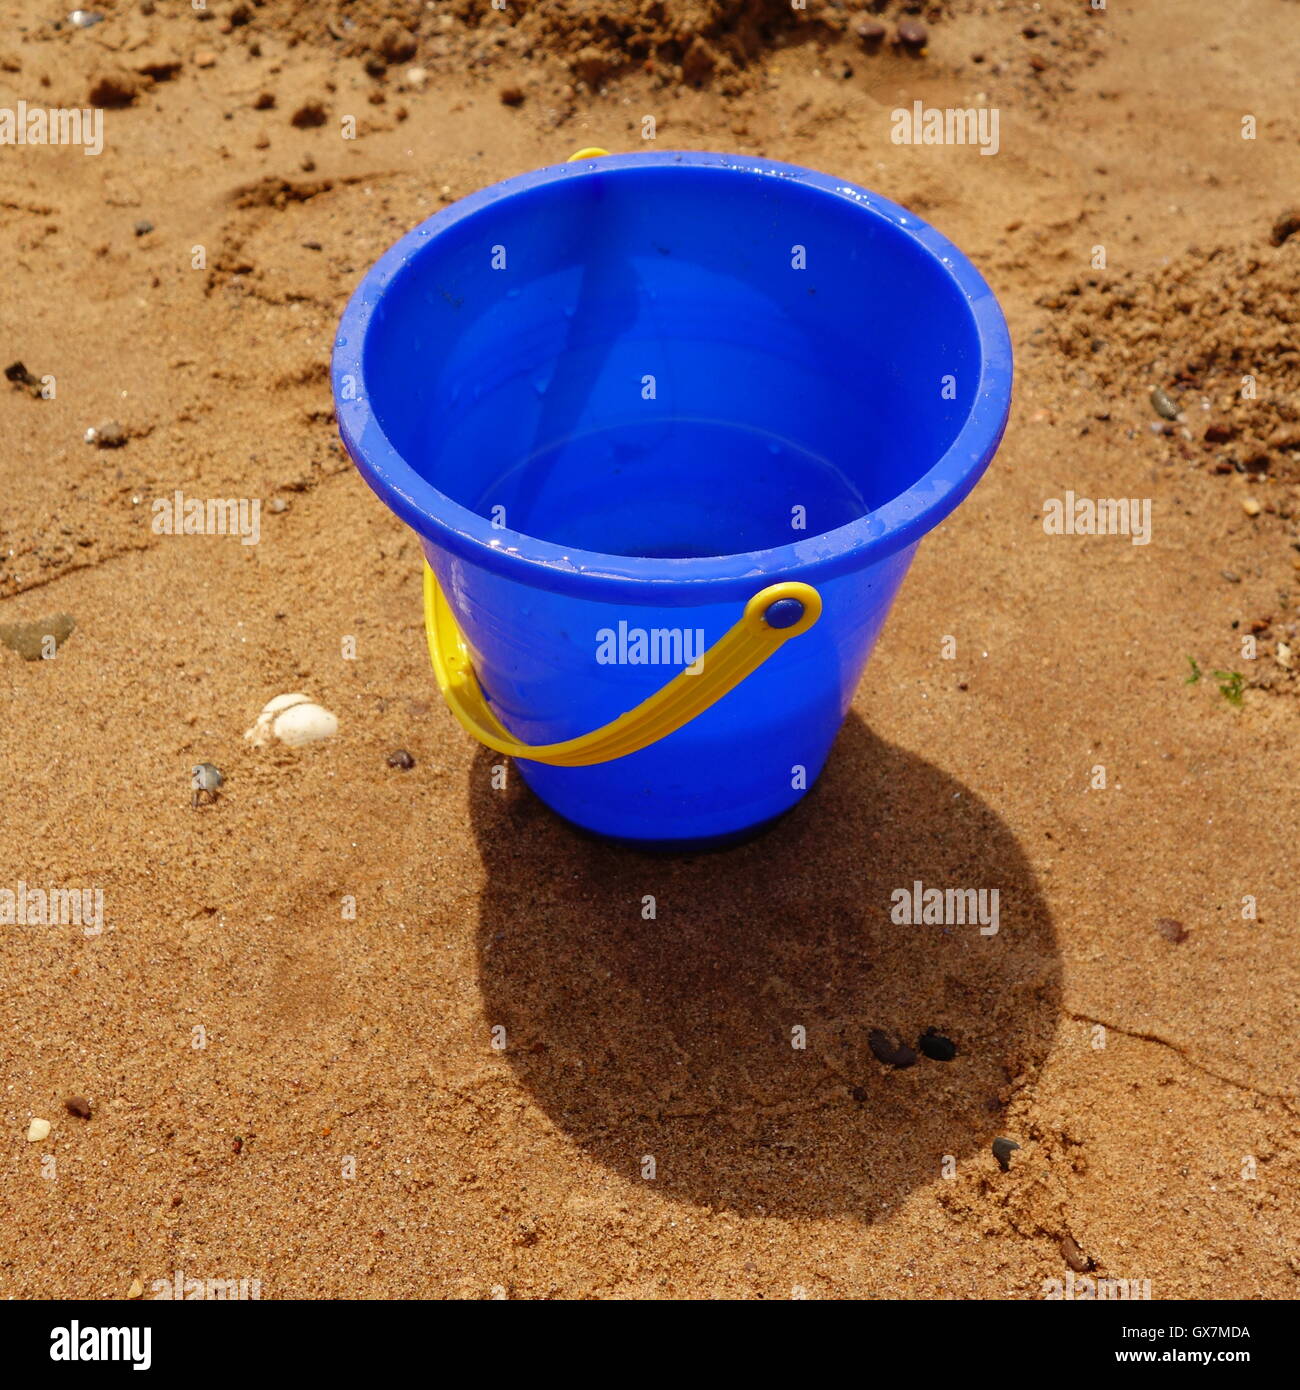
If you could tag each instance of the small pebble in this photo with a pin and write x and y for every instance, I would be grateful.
(78, 1105)
(870, 32)
(29, 639)
(1283, 656)
(307, 164)
(205, 58)
(278, 504)
(512, 96)
(1287, 224)
(1073, 1255)
(17, 373)
(911, 33)
(401, 758)
(1002, 1151)
(892, 1053)
(143, 227)
(936, 1046)
(858, 1094)
(416, 78)
(1162, 404)
(310, 113)
(38, 1130)
(136, 1290)
(1250, 506)
(1231, 576)
(85, 19)
(114, 88)
(1171, 929)
(109, 435)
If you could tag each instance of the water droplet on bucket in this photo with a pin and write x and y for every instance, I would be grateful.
(340, 342)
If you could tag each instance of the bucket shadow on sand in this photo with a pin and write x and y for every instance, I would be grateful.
(672, 1038)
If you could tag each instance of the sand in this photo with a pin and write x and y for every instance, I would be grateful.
(283, 1093)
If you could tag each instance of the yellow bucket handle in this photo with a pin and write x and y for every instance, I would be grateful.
(735, 655)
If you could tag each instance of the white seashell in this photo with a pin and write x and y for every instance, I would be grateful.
(294, 720)
(38, 1130)
(304, 724)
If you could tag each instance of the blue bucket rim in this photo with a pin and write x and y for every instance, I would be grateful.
(899, 523)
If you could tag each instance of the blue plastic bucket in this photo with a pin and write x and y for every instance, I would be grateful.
(617, 398)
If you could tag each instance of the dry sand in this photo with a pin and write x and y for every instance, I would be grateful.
(348, 1130)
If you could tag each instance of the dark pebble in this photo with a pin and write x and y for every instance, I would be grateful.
(1285, 226)
(512, 96)
(115, 88)
(78, 1105)
(912, 33)
(310, 113)
(870, 32)
(109, 435)
(1231, 576)
(143, 227)
(1219, 432)
(858, 1094)
(936, 1046)
(1073, 1256)
(892, 1053)
(1002, 1151)
(19, 375)
(1171, 929)
(401, 758)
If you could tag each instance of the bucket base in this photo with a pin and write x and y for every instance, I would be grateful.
(704, 845)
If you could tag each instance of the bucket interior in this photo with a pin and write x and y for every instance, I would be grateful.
(672, 361)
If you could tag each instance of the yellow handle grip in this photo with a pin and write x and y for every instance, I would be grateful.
(740, 651)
